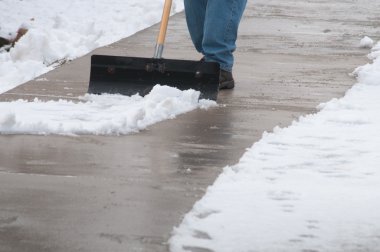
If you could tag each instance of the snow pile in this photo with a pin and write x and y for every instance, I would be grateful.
(64, 30)
(366, 42)
(98, 114)
(313, 186)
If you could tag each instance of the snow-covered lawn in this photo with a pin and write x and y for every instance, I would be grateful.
(64, 30)
(313, 186)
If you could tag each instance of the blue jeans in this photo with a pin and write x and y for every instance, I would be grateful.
(213, 27)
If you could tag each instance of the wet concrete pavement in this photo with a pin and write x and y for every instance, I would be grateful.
(125, 193)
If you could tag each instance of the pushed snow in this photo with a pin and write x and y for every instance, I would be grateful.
(313, 186)
(98, 114)
(64, 30)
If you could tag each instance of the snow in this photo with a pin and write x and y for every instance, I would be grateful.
(313, 186)
(98, 114)
(64, 30)
(366, 42)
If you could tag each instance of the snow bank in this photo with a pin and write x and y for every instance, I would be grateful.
(98, 114)
(64, 30)
(313, 186)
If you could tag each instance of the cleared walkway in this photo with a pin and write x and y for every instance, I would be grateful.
(126, 193)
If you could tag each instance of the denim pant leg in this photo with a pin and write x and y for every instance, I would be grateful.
(221, 29)
(195, 11)
(213, 26)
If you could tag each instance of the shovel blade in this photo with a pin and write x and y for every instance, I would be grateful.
(132, 75)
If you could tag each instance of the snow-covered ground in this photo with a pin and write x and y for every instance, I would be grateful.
(313, 186)
(64, 30)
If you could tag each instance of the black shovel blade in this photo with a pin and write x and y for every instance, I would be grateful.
(131, 75)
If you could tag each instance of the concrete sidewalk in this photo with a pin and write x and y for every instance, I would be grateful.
(126, 193)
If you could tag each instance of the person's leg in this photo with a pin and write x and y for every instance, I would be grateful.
(220, 30)
(195, 11)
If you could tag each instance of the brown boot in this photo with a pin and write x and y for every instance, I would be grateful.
(226, 80)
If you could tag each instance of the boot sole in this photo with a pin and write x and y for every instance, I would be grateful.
(227, 85)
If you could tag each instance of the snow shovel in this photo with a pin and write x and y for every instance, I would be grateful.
(132, 75)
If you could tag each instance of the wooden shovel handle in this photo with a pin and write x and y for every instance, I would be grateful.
(164, 22)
